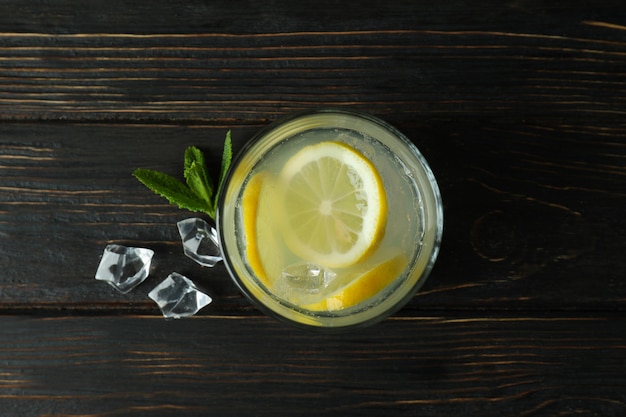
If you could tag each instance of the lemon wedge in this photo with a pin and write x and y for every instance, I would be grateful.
(334, 204)
(262, 241)
(364, 286)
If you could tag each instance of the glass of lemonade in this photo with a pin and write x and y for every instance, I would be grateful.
(330, 219)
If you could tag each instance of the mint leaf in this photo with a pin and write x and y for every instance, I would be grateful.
(196, 174)
(172, 189)
(227, 157)
(197, 194)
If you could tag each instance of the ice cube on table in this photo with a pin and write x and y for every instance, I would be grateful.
(200, 241)
(177, 296)
(124, 267)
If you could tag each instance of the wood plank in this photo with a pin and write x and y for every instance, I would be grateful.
(534, 214)
(429, 366)
(218, 63)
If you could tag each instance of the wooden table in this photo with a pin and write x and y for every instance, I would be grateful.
(519, 107)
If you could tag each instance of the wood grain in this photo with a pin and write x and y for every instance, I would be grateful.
(77, 63)
(518, 106)
(104, 366)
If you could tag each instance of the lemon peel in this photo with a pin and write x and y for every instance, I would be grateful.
(364, 286)
(258, 211)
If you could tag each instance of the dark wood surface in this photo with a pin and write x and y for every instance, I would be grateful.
(520, 108)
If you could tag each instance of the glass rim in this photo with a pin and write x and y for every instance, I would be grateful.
(407, 293)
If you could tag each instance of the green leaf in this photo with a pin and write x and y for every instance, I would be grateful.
(173, 190)
(227, 157)
(196, 174)
(198, 193)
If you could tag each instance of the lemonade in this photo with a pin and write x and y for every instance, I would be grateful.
(330, 219)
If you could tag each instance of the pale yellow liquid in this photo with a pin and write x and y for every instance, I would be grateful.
(403, 232)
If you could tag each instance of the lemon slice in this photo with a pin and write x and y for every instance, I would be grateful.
(334, 202)
(364, 286)
(261, 236)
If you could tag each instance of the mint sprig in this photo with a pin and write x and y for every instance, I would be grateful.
(197, 193)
